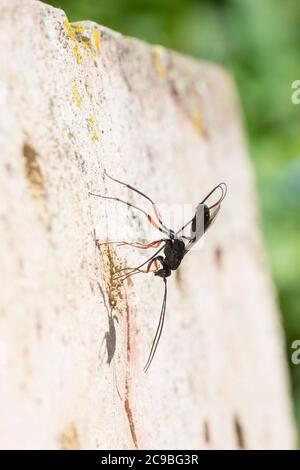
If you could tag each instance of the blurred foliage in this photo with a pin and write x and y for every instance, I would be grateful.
(259, 41)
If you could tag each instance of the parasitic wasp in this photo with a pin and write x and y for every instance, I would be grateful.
(171, 249)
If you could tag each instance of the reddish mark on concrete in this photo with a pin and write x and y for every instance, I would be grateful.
(25, 352)
(130, 415)
(127, 405)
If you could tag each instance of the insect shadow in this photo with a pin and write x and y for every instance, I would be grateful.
(110, 336)
(109, 339)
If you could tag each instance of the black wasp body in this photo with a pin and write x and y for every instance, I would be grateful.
(175, 245)
(173, 255)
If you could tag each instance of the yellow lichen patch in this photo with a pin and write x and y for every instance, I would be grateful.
(69, 438)
(76, 97)
(69, 29)
(78, 29)
(97, 40)
(74, 30)
(77, 54)
(93, 128)
(75, 33)
(197, 121)
(158, 53)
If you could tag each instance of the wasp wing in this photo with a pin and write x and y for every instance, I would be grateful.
(201, 231)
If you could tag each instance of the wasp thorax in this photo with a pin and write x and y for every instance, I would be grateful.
(174, 252)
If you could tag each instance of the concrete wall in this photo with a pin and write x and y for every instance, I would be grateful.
(75, 100)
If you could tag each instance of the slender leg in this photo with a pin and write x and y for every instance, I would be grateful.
(148, 270)
(145, 262)
(138, 270)
(143, 246)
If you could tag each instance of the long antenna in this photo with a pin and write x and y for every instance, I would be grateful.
(223, 187)
(159, 329)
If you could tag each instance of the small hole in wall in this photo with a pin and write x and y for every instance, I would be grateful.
(239, 433)
(206, 432)
(35, 182)
(218, 257)
(69, 438)
(33, 171)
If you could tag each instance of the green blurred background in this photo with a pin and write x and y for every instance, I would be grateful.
(259, 41)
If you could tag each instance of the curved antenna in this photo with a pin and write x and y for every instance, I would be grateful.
(164, 229)
(223, 188)
(119, 200)
(159, 329)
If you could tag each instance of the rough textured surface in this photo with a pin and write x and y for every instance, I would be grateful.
(75, 100)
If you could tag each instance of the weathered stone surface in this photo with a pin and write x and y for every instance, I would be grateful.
(76, 99)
